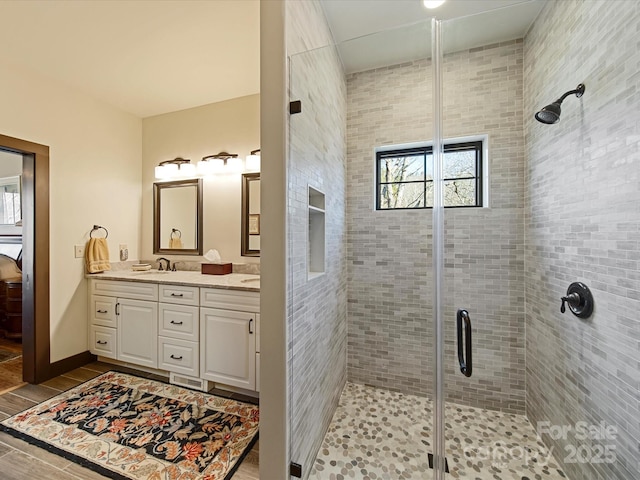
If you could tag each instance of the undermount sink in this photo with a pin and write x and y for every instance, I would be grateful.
(247, 280)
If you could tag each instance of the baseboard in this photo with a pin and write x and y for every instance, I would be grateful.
(70, 363)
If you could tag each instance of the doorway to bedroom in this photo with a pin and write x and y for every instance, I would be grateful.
(24, 265)
(10, 270)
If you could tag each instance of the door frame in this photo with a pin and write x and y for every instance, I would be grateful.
(36, 348)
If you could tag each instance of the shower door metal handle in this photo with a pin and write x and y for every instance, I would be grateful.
(464, 352)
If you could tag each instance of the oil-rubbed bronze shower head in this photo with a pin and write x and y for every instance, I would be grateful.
(551, 113)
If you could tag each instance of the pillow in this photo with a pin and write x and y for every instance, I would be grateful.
(8, 268)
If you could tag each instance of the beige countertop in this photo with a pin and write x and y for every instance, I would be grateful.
(231, 281)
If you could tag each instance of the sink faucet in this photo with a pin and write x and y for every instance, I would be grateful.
(159, 260)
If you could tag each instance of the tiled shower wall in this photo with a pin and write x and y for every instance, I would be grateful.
(316, 307)
(390, 334)
(583, 224)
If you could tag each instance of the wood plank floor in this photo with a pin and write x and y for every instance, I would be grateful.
(22, 461)
(10, 370)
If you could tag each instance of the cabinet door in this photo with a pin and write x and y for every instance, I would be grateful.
(228, 347)
(137, 331)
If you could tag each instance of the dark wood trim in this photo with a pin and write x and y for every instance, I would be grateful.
(35, 265)
(157, 197)
(71, 363)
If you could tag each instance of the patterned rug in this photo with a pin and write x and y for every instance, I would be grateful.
(6, 355)
(126, 427)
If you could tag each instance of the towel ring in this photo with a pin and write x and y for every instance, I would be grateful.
(98, 227)
(175, 230)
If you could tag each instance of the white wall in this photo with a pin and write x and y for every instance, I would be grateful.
(232, 126)
(95, 178)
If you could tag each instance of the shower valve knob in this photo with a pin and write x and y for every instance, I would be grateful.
(579, 299)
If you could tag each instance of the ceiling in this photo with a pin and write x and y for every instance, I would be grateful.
(150, 57)
(375, 33)
(145, 57)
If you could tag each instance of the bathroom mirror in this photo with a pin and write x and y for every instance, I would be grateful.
(177, 217)
(250, 215)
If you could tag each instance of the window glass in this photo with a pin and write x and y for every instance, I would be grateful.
(404, 177)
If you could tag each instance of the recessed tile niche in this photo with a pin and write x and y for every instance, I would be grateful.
(316, 239)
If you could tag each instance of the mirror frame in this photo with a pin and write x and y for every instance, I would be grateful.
(157, 194)
(245, 251)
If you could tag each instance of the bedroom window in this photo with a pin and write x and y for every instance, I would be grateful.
(404, 177)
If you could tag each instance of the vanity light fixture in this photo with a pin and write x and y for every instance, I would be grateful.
(222, 162)
(176, 168)
(431, 4)
(252, 162)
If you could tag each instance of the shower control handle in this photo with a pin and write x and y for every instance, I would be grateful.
(573, 299)
(464, 352)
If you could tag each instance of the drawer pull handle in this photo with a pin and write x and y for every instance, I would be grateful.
(100, 342)
(177, 295)
(251, 326)
(176, 358)
(173, 322)
(102, 311)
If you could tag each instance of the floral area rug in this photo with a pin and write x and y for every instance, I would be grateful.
(126, 427)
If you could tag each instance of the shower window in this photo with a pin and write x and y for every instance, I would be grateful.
(404, 177)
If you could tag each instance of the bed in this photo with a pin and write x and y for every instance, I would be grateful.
(11, 286)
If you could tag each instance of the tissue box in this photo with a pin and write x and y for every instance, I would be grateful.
(216, 268)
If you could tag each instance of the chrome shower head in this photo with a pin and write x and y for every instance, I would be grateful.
(551, 113)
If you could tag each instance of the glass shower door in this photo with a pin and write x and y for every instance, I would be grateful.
(360, 280)
(483, 310)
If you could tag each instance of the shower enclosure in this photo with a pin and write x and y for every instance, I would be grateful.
(419, 254)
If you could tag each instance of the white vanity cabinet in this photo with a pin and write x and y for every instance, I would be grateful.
(197, 334)
(229, 356)
(137, 331)
(229, 331)
(124, 321)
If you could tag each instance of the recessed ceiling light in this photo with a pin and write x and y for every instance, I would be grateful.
(433, 3)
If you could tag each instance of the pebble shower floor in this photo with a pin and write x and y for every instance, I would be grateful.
(377, 434)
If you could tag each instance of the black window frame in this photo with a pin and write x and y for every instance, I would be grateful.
(477, 146)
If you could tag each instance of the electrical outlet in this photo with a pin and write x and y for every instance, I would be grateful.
(78, 251)
(124, 252)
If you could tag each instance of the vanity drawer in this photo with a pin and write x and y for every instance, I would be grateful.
(230, 299)
(134, 290)
(178, 321)
(179, 294)
(103, 311)
(179, 356)
(102, 341)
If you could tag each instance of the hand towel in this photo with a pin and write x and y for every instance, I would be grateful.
(175, 242)
(97, 255)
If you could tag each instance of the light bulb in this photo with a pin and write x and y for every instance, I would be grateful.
(234, 165)
(432, 3)
(252, 163)
(187, 170)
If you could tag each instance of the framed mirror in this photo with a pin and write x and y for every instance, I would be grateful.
(177, 217)
(250, 215)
